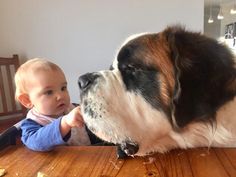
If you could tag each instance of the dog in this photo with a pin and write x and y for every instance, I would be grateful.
(166, 90)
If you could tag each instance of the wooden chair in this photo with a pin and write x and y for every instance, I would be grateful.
(10, 110)
(8, 106)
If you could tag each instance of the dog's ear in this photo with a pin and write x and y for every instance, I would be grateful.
(172, 41)
(183, 55)
(197, 61)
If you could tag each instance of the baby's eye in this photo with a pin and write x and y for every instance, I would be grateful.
(64, 88)
(49, 92)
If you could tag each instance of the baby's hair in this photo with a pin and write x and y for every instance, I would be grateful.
(31, 66)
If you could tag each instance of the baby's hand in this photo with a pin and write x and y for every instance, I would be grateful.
(73, 119)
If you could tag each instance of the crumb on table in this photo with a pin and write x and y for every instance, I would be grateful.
(40, 174)
(2, 171)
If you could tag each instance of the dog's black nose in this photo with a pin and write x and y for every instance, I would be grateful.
(86, 80)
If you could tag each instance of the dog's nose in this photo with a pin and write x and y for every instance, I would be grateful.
(86, 80)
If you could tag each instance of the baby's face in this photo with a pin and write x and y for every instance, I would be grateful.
(48, 92)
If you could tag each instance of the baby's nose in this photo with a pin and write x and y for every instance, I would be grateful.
(59, 96)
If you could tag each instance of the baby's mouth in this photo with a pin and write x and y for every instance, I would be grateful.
(60, 106)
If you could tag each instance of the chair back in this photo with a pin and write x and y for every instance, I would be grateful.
(9, 107)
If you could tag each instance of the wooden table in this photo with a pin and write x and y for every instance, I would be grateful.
(68, 161)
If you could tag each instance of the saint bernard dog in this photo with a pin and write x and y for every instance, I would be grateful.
(166, 90)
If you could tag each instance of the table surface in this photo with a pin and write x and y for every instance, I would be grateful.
(102, 161)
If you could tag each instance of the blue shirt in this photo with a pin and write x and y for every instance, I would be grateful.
(44, 138)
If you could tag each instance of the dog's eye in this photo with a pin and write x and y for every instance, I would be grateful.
(131, 69)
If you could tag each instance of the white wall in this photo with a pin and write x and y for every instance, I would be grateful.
(82, 36)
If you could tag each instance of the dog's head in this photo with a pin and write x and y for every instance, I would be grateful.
(157, 84)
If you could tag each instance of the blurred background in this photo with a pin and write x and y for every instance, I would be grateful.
(84, 36)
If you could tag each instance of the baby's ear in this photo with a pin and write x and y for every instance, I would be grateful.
(25, 100)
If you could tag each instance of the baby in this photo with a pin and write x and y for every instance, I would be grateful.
(51, 120)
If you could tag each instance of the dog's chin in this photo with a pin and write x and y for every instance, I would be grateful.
(127, 146)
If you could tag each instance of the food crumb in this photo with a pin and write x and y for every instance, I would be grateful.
(115, 166)
(150, 160)
(2, 171)
(180, 153)
(40, 174)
